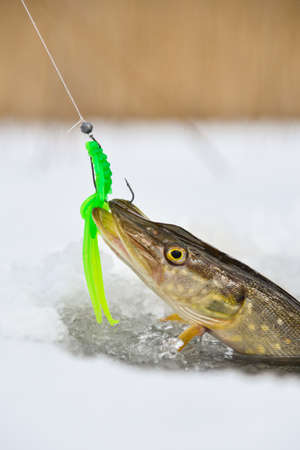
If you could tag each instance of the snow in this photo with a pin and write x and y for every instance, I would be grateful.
(68, 383)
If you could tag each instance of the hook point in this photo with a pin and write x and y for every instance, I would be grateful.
(131, 191)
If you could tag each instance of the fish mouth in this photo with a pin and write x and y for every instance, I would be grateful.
(107, 226)
(123, 228)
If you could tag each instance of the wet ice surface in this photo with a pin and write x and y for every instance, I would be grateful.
(67, 382)
(152, 344)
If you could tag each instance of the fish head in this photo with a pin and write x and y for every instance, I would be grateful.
(160, 254)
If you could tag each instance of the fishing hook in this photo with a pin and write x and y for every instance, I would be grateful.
(93, 174)
(131, 191)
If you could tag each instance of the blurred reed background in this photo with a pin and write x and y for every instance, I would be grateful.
(140, 58)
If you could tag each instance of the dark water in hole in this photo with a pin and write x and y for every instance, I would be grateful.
(146, 342)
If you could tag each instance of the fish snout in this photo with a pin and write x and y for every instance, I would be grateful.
(124, 208)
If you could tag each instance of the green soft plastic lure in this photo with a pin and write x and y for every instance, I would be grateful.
(91, 256)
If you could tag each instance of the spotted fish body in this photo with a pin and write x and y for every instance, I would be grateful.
(205, 287)
(264, 326)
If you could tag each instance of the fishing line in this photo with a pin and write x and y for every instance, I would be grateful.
(86, 127)
(52, 60)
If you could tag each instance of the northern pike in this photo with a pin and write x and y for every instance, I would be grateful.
(207, 289)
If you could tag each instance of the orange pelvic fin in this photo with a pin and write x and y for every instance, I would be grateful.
(187, 335)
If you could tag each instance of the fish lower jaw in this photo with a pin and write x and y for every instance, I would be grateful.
(117, 247)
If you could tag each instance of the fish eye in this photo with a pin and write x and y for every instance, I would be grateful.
(176, 255)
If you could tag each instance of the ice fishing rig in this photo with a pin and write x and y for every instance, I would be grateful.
(102, 182)
(91, 256)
